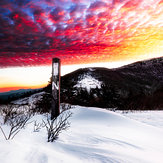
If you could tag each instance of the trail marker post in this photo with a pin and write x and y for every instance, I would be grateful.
(56, 64)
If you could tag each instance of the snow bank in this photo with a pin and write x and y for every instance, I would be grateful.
(95, 136)
(154, 118)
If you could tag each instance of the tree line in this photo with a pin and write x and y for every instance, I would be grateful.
(8, 98)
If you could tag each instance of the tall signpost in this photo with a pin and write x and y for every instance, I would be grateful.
(56, 64)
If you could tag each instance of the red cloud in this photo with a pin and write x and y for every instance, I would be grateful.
(114, 2)
(57, 15)
(91, 18)
(160, 2)
(23, 23)
(97, 6)
(132, 4)
(75, 29)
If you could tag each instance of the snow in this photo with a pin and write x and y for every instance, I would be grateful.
(29, 100)
(88, 82)
(154, 118)
(95, 136)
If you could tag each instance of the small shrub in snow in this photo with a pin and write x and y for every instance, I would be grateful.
(38, 126)
(58, 124)
(64, 107)
(15, 117)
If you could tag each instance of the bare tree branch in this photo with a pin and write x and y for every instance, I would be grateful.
(38, 126)
(3, 133)
(58, 124)
(16, 118)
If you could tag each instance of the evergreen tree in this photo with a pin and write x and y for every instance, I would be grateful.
(110, 96)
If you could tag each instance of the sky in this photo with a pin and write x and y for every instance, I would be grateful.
(106, 33)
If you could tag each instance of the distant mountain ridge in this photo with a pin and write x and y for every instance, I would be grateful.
(139, 78)
(15, 94)
(15, 91)
(134, 76)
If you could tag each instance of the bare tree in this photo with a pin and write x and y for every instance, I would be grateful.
(15, 118)
(58, 124)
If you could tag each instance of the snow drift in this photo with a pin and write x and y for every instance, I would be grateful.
(95, 136)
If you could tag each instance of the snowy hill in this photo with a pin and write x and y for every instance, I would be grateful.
(29, 100)
(127, 85)
(95, 136)
(135, 76)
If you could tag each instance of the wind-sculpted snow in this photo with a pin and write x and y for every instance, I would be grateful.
(154, 118)
(95, 136)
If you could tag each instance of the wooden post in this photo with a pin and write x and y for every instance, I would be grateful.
(56, 63)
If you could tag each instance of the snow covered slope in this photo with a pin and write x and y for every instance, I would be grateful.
(29, 100)
(154, 118)
(88, 82)
(138, 76)
(95, 136)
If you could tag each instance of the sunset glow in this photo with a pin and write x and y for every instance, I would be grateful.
(79, 32)
(38, 77)
(18, 78)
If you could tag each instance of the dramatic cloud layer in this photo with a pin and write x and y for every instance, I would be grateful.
(32, 32)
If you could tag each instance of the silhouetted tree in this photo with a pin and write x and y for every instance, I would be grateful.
(44, 104)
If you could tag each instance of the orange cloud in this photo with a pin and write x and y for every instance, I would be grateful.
(80, 31)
